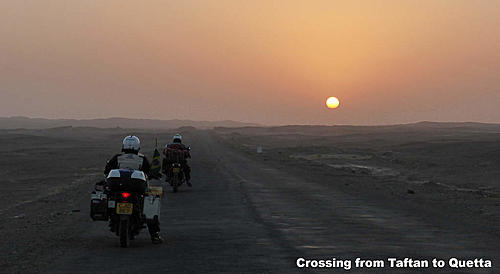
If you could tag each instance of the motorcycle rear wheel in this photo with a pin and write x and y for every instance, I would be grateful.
(124, 233)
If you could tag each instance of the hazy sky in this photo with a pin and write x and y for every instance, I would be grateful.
(272, 62)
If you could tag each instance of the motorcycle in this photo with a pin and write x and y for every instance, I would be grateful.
(124, 202)
(175, 172)
(176, 176)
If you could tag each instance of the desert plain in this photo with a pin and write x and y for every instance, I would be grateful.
(262, 197)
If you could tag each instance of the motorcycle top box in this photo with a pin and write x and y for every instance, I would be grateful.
(126, 179)
(174, 155)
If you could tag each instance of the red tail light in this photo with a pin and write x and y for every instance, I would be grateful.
(125, 195)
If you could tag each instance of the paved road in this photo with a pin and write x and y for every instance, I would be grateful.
(244, 216)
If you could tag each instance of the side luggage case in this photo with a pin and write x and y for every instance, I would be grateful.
(151, 207)
(98, 205)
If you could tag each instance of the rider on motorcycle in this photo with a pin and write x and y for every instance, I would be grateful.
(179, 146)
(132, 159)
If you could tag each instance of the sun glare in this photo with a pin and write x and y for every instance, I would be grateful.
(332, 102)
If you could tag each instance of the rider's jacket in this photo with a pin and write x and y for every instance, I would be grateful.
(128, 160)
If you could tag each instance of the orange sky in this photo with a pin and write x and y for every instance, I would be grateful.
(271, 62)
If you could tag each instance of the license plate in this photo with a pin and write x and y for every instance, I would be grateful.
(177, 170)
(124, 208)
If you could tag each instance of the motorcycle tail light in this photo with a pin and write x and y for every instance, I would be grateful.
(125, 195)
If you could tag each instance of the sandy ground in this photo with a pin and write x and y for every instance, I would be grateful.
(448, 167)
(420, 192)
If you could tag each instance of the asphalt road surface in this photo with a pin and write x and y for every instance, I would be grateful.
(247, 216)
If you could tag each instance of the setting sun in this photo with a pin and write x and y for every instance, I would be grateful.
(332, 102)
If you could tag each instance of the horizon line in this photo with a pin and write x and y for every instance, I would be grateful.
(256, 124)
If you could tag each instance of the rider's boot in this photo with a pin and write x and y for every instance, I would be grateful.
(112, 226)
(156, 238)
(188, 180)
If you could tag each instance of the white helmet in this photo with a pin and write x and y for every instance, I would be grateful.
(177, 138)
(131, 143)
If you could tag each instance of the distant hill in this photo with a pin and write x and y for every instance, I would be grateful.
(349, 129)
(41, 123)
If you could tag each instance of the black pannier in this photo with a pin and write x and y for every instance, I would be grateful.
(98, 206)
